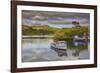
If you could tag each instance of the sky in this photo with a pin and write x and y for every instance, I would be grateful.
(54, 19)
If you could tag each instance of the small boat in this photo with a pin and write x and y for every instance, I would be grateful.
(59, 45)
(80, 39)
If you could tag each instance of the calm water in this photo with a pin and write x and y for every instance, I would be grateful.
(34, 50)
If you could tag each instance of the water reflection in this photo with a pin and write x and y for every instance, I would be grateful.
(34, 50)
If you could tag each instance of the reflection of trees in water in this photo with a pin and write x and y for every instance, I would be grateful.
(76, 53)
(77, 47)
(73, 47)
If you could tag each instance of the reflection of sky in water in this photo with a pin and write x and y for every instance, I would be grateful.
(40, 50)
(82, 18)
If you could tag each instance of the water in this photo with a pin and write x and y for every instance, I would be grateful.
(37, 50)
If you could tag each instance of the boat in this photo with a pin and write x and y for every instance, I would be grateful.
(80, 39)
(59, 45)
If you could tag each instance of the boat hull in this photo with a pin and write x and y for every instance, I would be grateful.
(80, 39)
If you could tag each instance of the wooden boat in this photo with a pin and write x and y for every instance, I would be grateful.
(59, 45)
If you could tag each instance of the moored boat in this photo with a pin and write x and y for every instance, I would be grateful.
(76, 38)
(59, 45)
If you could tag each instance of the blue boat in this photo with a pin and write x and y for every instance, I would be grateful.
(79, 39)
(76, 38)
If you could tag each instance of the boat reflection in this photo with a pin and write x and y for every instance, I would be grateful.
(72, 48)
(36, 50)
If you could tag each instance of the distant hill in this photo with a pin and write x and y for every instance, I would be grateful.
(37, 30)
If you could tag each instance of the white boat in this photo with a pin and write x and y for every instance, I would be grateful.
(59, 45)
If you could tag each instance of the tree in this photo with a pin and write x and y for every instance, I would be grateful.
(76, 23)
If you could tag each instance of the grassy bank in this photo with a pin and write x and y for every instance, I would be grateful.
(56, 32)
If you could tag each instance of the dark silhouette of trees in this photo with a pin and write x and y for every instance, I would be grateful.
(76, 23)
